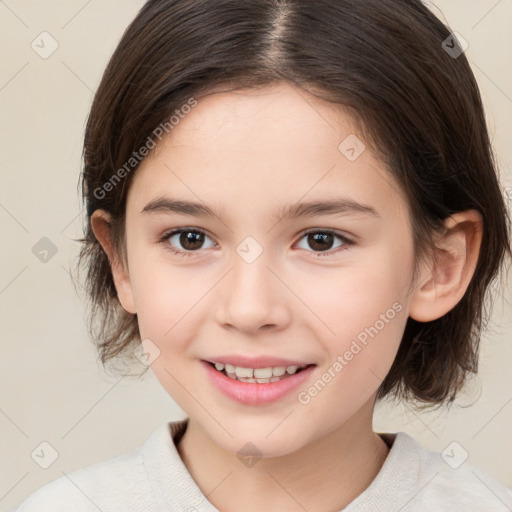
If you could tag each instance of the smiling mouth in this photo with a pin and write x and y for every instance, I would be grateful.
(258, 375)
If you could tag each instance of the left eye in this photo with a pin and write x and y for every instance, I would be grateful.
(192, 240)
(321, 239)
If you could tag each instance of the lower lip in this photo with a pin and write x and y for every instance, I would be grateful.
(251, 393)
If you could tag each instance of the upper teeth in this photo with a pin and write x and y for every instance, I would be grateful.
(258, 373)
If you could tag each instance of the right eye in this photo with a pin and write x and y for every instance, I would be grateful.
(190, 239)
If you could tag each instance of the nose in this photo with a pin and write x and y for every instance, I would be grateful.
(252, 296)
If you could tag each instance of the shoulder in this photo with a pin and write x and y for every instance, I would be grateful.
(446, 481)
(116, 484)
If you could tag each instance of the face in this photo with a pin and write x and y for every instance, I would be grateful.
(324, 287)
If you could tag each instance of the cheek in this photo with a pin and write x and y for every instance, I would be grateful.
(169, 312)
(167, 298)
(363, 312)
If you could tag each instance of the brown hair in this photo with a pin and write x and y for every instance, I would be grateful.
(387, 61)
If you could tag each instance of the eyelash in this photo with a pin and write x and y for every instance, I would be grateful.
(347, 243)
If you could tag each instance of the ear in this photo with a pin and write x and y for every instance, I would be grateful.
(446, 277)
(101, 226)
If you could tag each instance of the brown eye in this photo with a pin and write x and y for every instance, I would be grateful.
(191, 240)
(321, 241)
(185, 241)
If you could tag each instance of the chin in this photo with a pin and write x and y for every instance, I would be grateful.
(260, 441)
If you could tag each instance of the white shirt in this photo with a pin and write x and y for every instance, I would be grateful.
(153, 478)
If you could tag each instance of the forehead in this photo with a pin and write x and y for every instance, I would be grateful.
(275, 145)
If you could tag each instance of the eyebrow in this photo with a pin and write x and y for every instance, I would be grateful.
(341, 206)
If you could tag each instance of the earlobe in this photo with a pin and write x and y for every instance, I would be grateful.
(445, 279)
(101, 226)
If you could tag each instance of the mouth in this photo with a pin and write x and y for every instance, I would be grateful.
(258, 375)
(258, 386)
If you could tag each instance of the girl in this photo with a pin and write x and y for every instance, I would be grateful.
(294, 212)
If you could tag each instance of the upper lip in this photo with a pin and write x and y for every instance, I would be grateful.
(256, 362)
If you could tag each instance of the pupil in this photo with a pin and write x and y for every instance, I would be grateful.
(191, 237)
(319, 239)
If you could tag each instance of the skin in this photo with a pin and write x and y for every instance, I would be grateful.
(250, 153)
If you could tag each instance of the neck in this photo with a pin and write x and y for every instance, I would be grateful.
(325, 475)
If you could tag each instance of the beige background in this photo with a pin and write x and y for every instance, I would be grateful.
(53, 388)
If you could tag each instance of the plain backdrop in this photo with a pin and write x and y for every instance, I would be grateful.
(53, 389)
